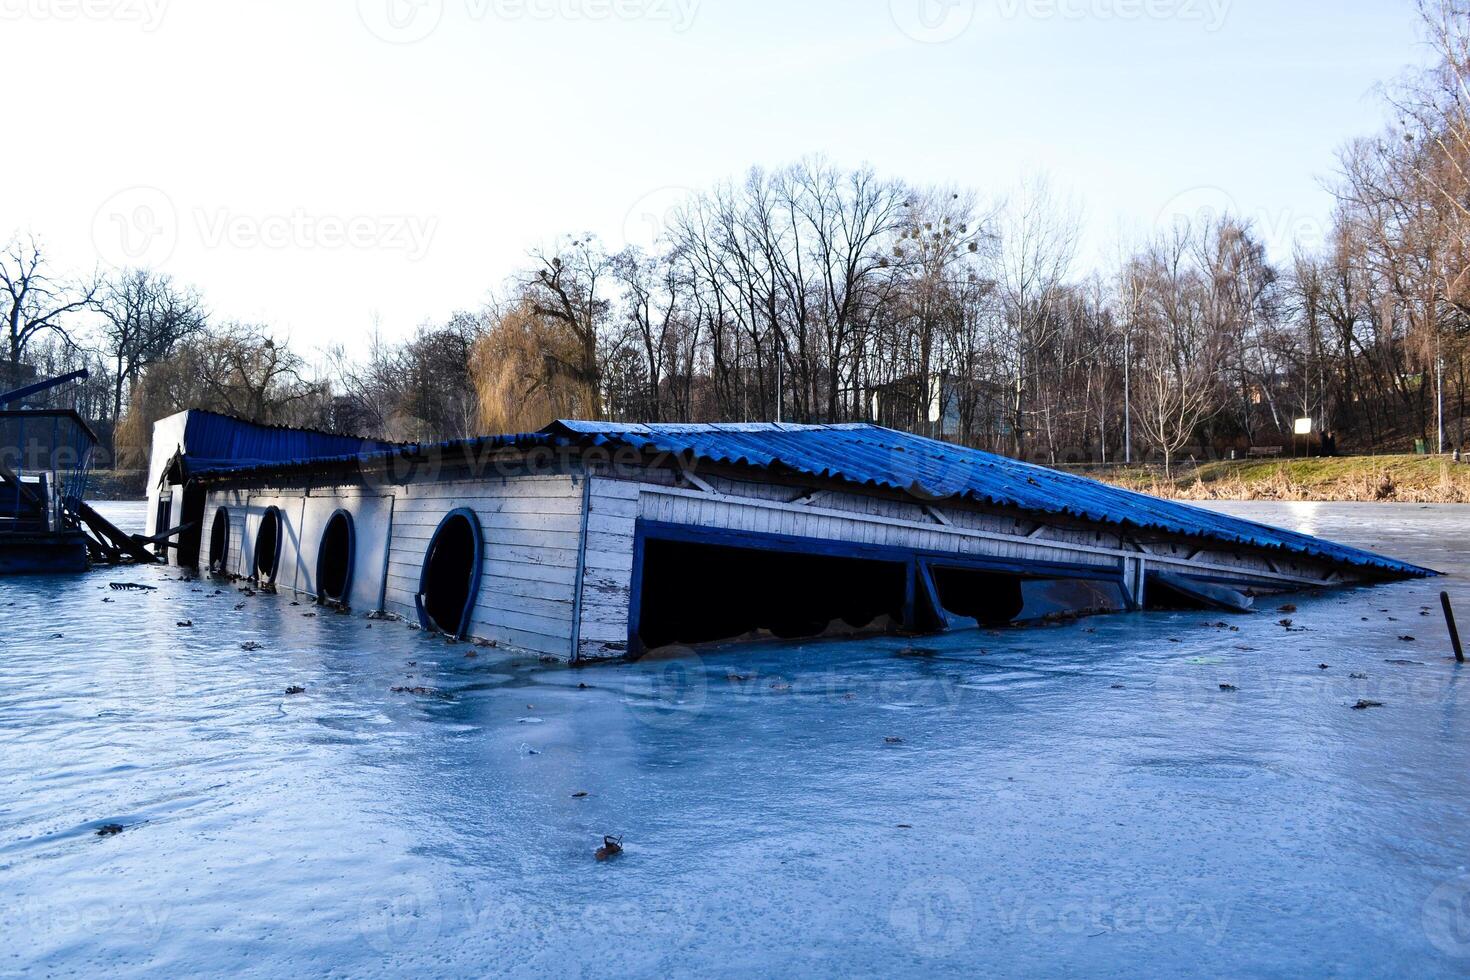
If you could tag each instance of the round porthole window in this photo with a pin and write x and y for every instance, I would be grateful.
(268, 547)
(451, 575)
(219, 542)
(335, 559)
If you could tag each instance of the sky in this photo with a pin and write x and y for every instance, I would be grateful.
(325, 167)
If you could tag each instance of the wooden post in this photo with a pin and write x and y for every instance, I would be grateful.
(1449, 618)
(579, 584)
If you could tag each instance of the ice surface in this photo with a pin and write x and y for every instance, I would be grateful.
(1078, 799)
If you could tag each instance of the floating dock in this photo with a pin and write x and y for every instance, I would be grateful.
(45, 459)
(592, 540)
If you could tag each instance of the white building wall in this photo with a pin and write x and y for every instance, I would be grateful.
(168, 439)
(531, 528)
(607, 582)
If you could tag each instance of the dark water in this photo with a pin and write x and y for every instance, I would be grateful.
(1083, 799)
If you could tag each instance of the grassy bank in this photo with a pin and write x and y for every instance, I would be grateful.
(117, 485)
(1410, 479)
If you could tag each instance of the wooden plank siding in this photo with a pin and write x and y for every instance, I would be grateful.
(607, 578)
(531, 527)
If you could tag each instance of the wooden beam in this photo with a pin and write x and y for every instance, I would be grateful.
(9, 476)
(808, 498)
(939, 517)
(106, 532)
(160, 538)
(704, 485)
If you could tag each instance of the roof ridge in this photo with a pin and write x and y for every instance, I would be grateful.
(276, 427)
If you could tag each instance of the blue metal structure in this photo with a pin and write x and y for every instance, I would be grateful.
(859, 454)
(12, 399)
(45, 461)
(214, 442)
(869, 455)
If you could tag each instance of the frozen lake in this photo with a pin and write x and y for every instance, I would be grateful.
(1082, 799)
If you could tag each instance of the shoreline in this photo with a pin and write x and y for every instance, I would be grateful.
(1344, 479)
(1353, 479)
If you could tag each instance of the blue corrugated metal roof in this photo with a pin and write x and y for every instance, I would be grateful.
(213, 441)
(873, 456)
(866, 455)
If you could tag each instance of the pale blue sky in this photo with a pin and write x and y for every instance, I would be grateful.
(305, 172)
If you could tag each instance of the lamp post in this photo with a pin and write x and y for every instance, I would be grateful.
(1439, 386)
(1128, 398)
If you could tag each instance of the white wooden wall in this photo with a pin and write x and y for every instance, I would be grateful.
(607, 584)
(168, 439)
(531, 526)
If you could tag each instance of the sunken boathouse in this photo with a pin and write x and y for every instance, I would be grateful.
(593, 540)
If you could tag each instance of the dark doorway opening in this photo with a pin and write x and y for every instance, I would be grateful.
(161, 517)
(193, 514)
(700, 593)
(451, 576)
(335, 559)
(219, 542)
(990, 598)
(1173, 592)
(994, 599)
(268, 547)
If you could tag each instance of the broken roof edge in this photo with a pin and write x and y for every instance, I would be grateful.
(1141, 511)
(277, 427)
(1230, 529)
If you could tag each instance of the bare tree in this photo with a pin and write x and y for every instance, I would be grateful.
(144, 319)
(33, 301)
(1038, 246)
(567, 287)
(245, 372)
(1178, 347)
